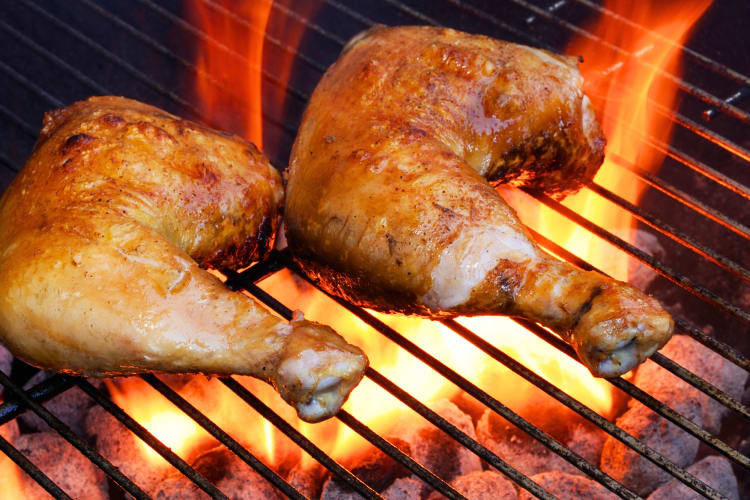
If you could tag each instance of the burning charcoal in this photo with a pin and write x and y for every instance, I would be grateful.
(405, 488)
(233, 476)
(71, 407)
(587, 441)
(6, 360)
(714, 471)
(179, 488)
(482, 485)
(637, 472)
(436, 450)
(307, 480)
(334, 490)
(373, 467)
(519, 449)
(640, 275)
(63, 464)
(9, 431)
(118, 445)
(564, 485)
(705, 363)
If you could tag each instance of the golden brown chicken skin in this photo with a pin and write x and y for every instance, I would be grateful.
(101, 237)
(389, 204)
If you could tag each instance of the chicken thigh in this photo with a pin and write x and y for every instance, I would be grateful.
(388, 200)
(101, 237)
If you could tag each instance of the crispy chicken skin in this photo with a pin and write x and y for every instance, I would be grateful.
(389, 204)
(101, 237)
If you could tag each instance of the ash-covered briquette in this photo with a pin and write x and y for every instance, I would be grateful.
(6, 361)
(433, 448)
(70, 406)
(704, 362)
(9, 431)
(118, 445)
(63, 464)
(634, 470)
(373, 467)
(564, 485)
(528, 455)
(405, 488)
(482, 485)
(307, 480)
(715, 471)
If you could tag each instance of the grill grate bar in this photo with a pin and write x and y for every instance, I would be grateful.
(29, 85)
(467, 386)
(682, 197)
(224, 438)
(347, 477)
(50, 56)
(645, 398)
(367, 433)
(70, 436)
(664, 270)
(726, 351)
(141, 77)
(705, 96)
(701, 130)
(572, 403)
(148, 438)
(204, 37)
(666, 363)
(480, 395)
(240, 280)
(671, 232)
(28, 129)
(710, 63)
(696, 128)
(461, 437)
(32, 470)
(41, 392)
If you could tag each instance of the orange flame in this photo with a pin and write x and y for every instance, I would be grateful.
(230, 61)
(620, 89)
(628, 91)
(10, 473)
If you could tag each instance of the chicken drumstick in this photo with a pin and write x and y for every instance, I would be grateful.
(99, 237)
(389, 204)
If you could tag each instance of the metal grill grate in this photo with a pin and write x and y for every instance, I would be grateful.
(518, 20)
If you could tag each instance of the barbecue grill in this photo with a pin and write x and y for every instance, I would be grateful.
(54, 53)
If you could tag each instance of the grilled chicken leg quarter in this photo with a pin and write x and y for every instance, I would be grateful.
(99, 237)
(388, 200)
